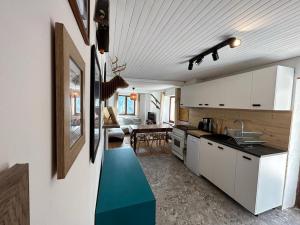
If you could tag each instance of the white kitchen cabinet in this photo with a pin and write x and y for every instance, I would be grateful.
(204, 94)
(265, 89)
(224, 168)
(246, 180)
(207, 159)
(260, 181)
(200, 95)
(187, 93)
(272, 88)
(214, 93)
(217, 164)
(237, 91)
(256, 183)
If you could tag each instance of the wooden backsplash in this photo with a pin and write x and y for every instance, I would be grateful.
(275, 125)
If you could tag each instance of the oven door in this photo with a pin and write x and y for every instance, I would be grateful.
(178, 145)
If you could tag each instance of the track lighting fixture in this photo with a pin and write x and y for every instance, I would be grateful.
(199, 61)
(215, 56)
(232, 42)
(190, 65)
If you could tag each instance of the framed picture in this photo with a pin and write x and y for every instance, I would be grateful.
(95, 104)
(14, 195)
(81, 11)
(69, 69)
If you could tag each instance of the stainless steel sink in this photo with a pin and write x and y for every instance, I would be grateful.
(245, 137)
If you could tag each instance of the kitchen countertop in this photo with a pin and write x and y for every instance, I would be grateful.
(256, 150)
(197, 133)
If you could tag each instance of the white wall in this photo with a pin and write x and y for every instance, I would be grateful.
(170, 92)
(166, 105)
(292, 173)
(143, 107)
(152, 106)
(147, 106)
(166, 109)
(26, 112)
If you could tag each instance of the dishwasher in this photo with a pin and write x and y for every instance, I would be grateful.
(192, 154)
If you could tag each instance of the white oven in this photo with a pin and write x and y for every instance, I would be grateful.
(178, 143)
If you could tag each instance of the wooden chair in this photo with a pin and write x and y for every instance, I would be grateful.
(141, 137)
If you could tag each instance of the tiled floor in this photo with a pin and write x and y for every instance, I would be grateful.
(185, 199)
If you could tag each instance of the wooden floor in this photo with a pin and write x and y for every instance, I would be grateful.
(144, 149)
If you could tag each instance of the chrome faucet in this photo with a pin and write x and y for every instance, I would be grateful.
(242, 125)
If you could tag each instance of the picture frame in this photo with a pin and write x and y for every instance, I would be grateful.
(69, 83)
(95, 104)
(81, 11)
(14, 195)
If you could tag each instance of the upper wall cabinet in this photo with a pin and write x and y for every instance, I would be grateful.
(272, 88)
(236, 91)
(265, 89)
(188, 95)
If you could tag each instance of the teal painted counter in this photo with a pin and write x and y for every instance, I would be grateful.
(124, 195)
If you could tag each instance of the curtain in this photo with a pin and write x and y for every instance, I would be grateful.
(116, 96)
(137, 105)
(162, 103)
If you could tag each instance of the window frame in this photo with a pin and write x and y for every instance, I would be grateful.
(126, 97)
(170, 100)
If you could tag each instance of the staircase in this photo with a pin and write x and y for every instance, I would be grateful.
(155, 101)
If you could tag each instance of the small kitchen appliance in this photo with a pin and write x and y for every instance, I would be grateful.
(207, 124)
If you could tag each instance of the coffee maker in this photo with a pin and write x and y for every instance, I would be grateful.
(207, 124)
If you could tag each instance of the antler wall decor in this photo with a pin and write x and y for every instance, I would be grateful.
(109, 88)
(116, 69)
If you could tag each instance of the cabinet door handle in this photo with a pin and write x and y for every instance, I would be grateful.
(206, 104)
(209, 143)
(200, 104)
(256, 105)
(181, 104)
(245, 157)
(219, 147)
(221, 104)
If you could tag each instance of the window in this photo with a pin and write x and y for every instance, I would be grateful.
(172, 109)
(126, 106)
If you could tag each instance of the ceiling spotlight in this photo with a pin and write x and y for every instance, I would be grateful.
(199, 60)
(215, 56)
(234, 42)
(190, 65)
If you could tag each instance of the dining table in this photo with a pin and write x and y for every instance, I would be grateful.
(147, 128)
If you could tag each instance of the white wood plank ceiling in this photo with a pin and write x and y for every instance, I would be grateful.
(154, 36)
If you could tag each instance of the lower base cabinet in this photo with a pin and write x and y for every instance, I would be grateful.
(225, 169)
(217, 164)
(206, 159)
(259, 182)
(247, 168)
(256, 183)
